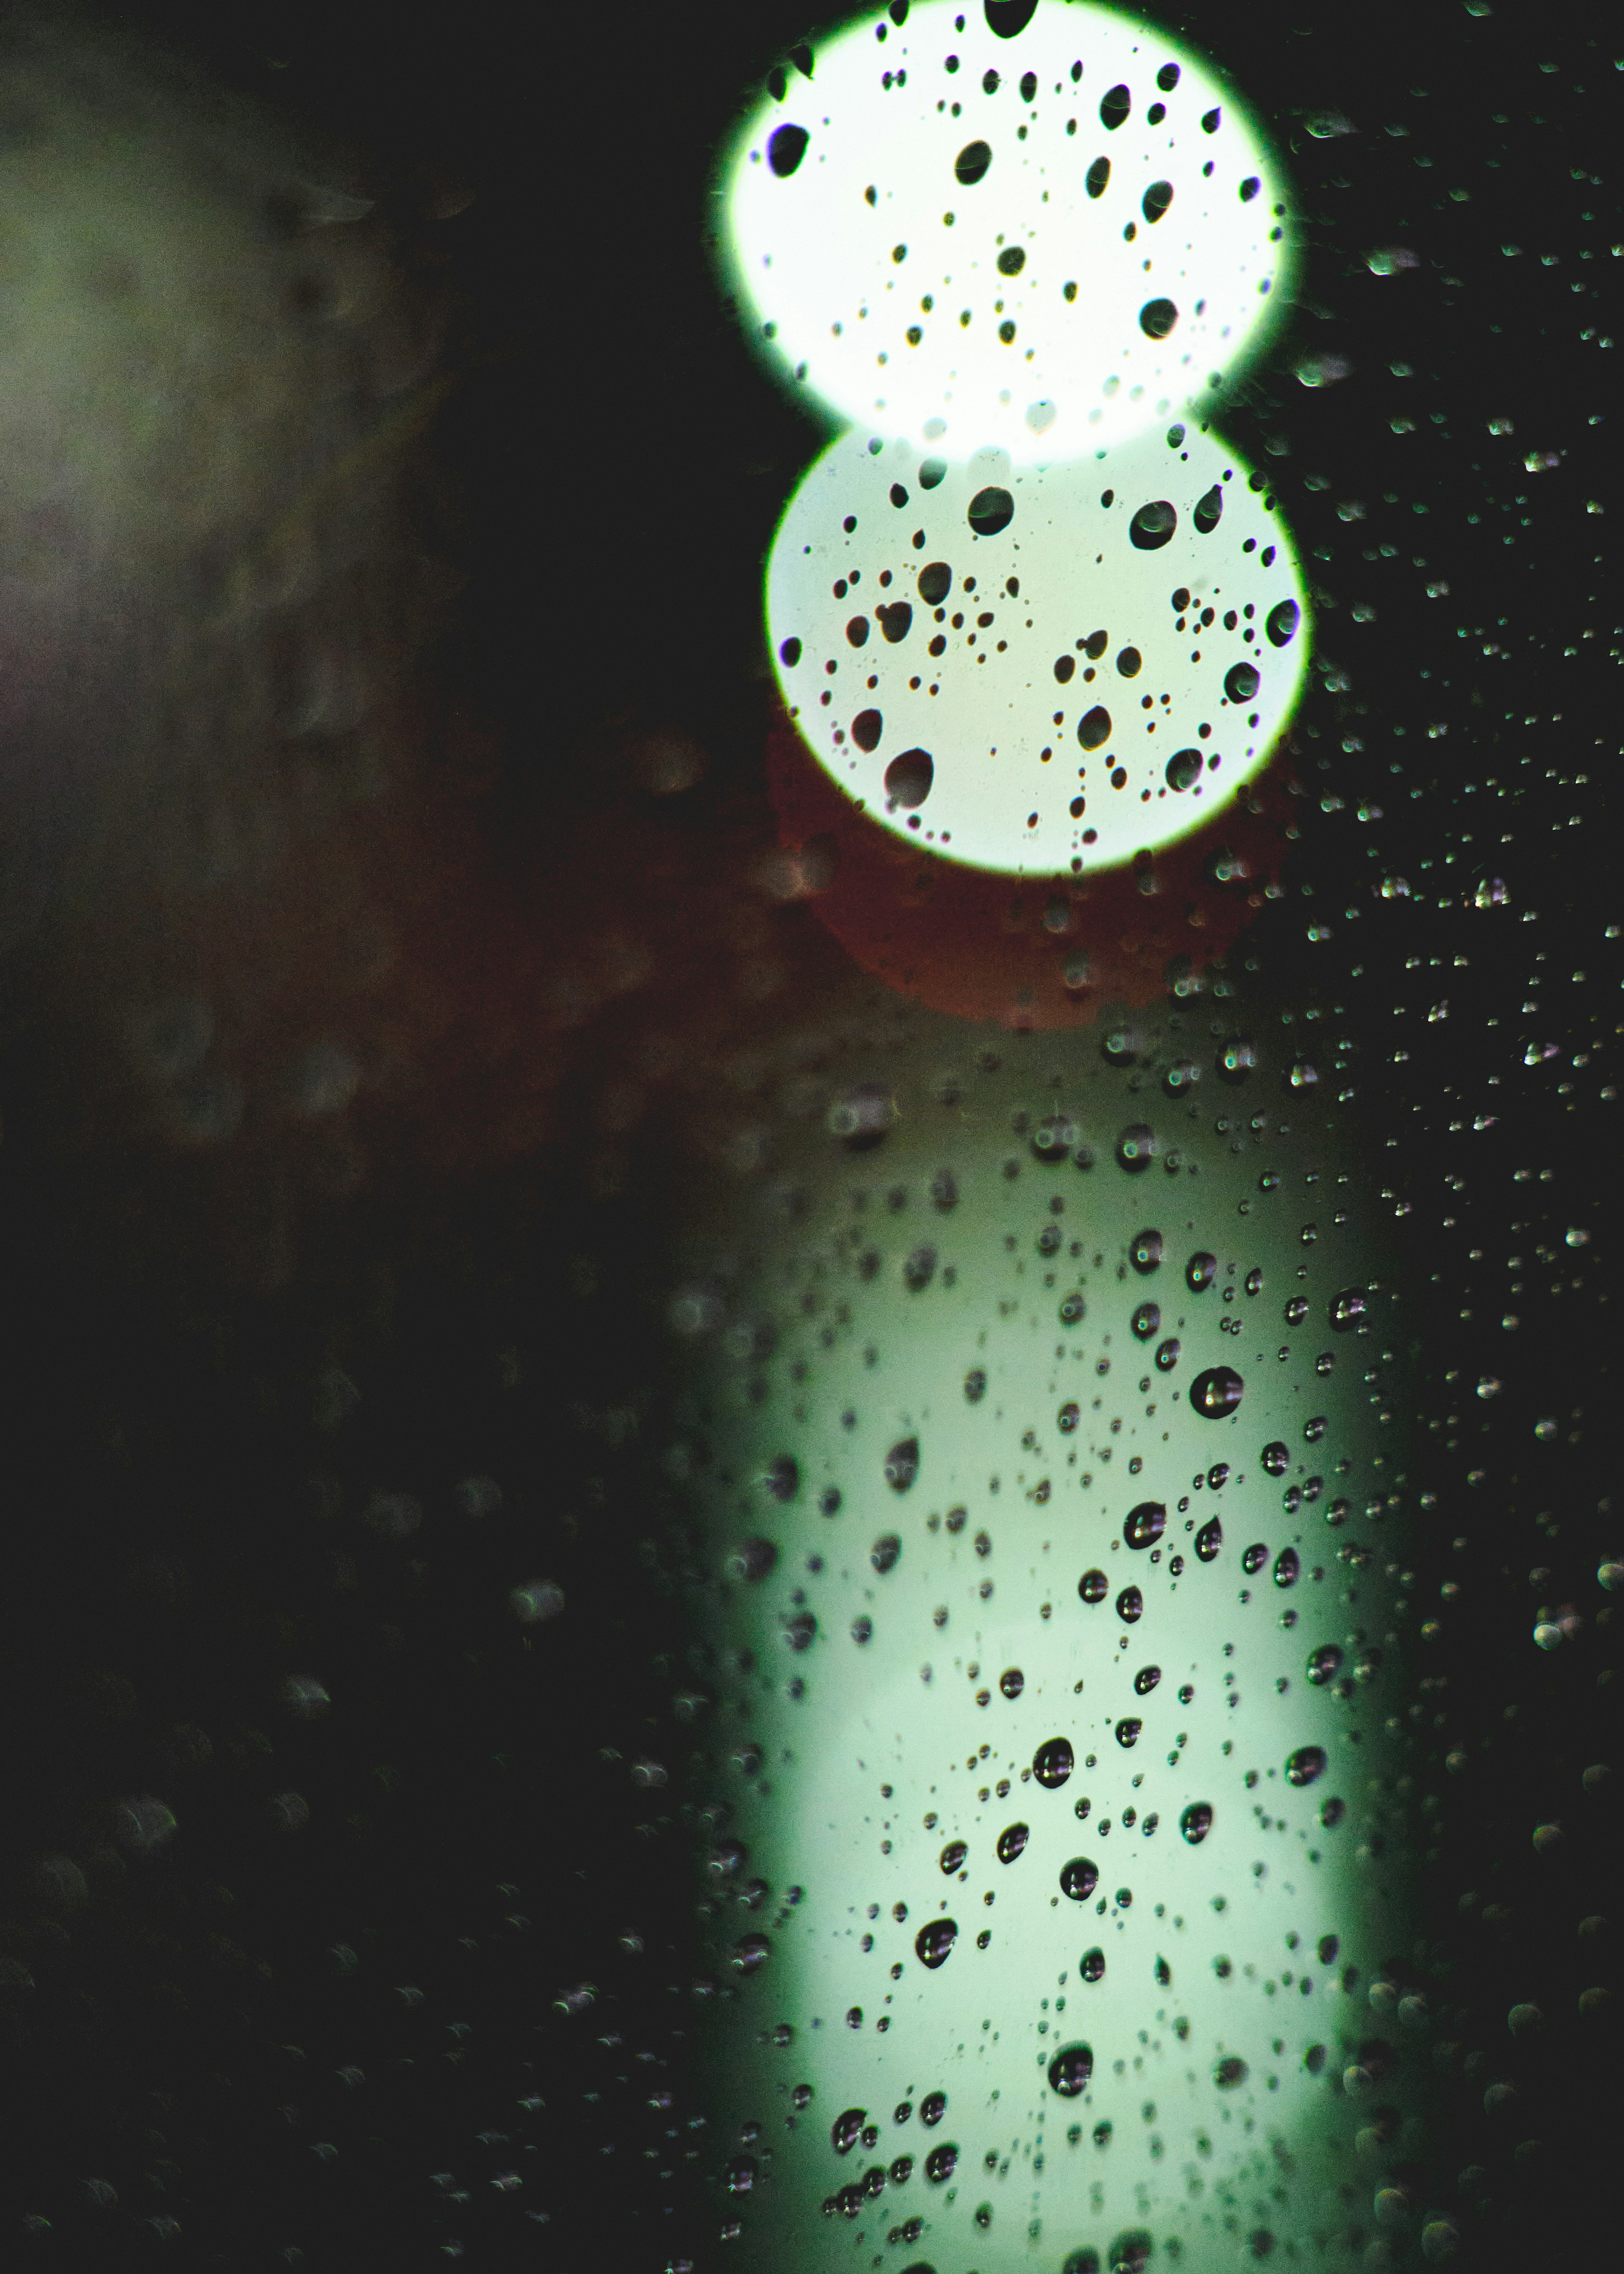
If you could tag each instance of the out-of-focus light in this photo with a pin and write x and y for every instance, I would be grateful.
(1045, 242)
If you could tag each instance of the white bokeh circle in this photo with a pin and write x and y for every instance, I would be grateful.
(1046, 243)
(1038, 670)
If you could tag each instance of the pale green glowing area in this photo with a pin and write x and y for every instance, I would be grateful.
(870, 1771)
(922, 295)
(1098, 676)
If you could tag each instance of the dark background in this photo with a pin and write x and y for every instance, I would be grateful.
(221, 1473)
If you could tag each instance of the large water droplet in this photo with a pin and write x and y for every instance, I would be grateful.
(1130, 1606)
(1013, 1841)
(847, 2130)
(1305, 1765)
(1094, 727)
(1216, 1392)
(972, 162)
(1053, 1762)
(1144, 1252)
(1197, 1821)
(1209, 1540)
(1323, 1663)
(786, 146)
(934, 1940)
(908, 779)
(1229, 2072)
(1070, 2069)
(1146, 1321)
(1079, 1879)
(1348, 1309)
(952, 1856)
(1145, 1525)
(1094, 1586)
(1128, 1731)
(1198, 1271)
(990, 510)
(1153, 525)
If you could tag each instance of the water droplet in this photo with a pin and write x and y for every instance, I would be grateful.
(933, 2108)
(1153, 525)
(1323, 1663)
(1098, 174)
(970, 166)
(1115, 105)
(1217, 1392)
(1198, 1271)
(1156, 201)
(974, 1386)
(1137, 1147)
(1094, 1586)
(1130, 1606)
(1053, 1762)
(1208, 510)
(936, 582)
(1229, 2072)
(1167, 1354)
(902, 1463)
(1197, 1821)
(1011, 1841)
(752, 1560)
(940, 2162)
(1282, 622)
(908, 779)
(934, 1942)
(1348, 1309)
(1144, 1252)
(1288, 1564)
(1146, 1321)
(1184, 768)
(847, 2130)
(1254, 1558)
(1157, 319)
(990, 510)
(1070, 2070)
(1209, 1540)
(1305, 1765)
(867, 727)
(1128, 1731)
(885, 1552)
(1145, 1524)
(786, 146)
(1241, 683)
(1011, 1681)
(740, 2176)
(1094, 727)
(1276, 1458)
(1145, 1680)
(952, 1856)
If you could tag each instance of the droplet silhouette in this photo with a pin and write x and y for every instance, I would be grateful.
(1209, 1540)
(1197, 1821)
(1098, 174)
(1079, 1879)
(1145, 1680)
(1146, 1321)
(1241, 683)
(885, 1552)
(1323, 1663)
(1137, 1147)
(867, 727)
(971, 164)
(1348, 1309)
(1145, 1524)
(936, 582)
(1070, 2070)
(1145, 1251)
(1053, 1762)
(1128, 1731)
(902, 1463)
(1184, 768)
(990, 510)
(847, 2130)
(1157, 319)
(1216, 1392)
(908, 779)
(1130, 1606)
(1254, 1558)
(952, 1856)
(1305, 1765)
(1282, 622)
(1288, 1564)
(1094, 727)
(1011, 1681)
(934, 1942)
(1114, 107)
(786, 146)
(1153, 525)
(1276, 1458)
(1198, 1271)
(1011, 1842)
(1094, 1586)
(1229, 2072)
(1156, 201)
(1208, 510)
(895, 618)
(1091, 1965)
